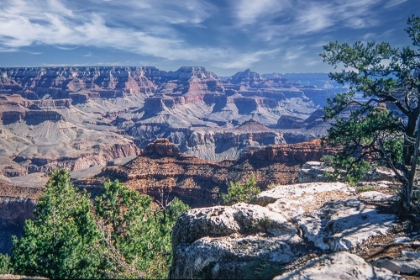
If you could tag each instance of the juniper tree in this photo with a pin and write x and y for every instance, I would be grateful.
(120, 235)
(382, 125)
(62, 240)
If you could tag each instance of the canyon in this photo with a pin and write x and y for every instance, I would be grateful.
(184, 133)
(163, 172)
(188, 134)
(79, 117)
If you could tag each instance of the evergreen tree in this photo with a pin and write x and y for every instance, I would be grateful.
(61, 242)
(238, 192)
(382, 125)
(136, 232)
(121, 235)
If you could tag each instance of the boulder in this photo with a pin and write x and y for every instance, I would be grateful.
(278, 227)
(340, 265)
(343, 224)
(409, 264)
(313, 171)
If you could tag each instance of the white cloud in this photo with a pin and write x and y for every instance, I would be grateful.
(238, 34)
(8, 49)
(249, 11)
(52, 23)
(314, 18)
(392, 3)
(294, 53)
(245, 60)
(67, 48)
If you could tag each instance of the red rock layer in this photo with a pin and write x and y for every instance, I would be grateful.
(162, 170)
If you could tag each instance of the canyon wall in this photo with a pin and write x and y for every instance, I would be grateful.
(162, 170)
(78, 117)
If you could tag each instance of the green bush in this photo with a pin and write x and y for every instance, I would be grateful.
(5, 265)
(119, 235)
(238, 192)
(365, 188)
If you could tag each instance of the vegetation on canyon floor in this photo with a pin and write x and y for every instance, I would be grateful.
(118, 235)
(238, 192)
(380, 127)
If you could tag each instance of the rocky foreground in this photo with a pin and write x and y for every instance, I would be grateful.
(302, 231)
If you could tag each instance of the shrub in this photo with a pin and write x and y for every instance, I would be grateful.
(238, 192)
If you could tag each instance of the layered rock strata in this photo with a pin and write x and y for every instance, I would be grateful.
(203, 115)
(162, 170)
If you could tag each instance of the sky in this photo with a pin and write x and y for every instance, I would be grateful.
(225, 36)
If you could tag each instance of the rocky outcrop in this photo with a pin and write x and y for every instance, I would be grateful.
(313, 171)
(408, 263)
(99, 156)
(295, 154)
(162, 147)
(162, 169)
(280, 228)
(289, 122)
(214, 144)
(340, 265)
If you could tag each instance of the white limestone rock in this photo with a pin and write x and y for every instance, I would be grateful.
(281, 225)
(340, 265)
(343, 224)
(408, 264)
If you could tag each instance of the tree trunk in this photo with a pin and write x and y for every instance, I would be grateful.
(412, 171)
(410, 131)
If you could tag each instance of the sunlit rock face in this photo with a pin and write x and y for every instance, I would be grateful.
(79, 117)
(162, 169)
(280, 229)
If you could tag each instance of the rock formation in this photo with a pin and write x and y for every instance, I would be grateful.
(339, 265)
(202, 114)
(161, 169)
(303, 231)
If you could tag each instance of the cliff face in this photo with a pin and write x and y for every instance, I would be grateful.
(40, 135)
(162, 170)
(111, 82)
(76, 117)
(16, 205)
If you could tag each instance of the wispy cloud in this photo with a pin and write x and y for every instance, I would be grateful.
(53, 23)
(245, 60)
(294, 53)
(392, 3)
(249, 11)
(222, 34)
(8, 49)
(302, 17)
(67, 48)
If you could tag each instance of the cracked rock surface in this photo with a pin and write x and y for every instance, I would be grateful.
(278, 227)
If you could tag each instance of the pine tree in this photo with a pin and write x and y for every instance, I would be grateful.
(383, 125)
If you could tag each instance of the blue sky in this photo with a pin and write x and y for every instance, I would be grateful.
(224, 36)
